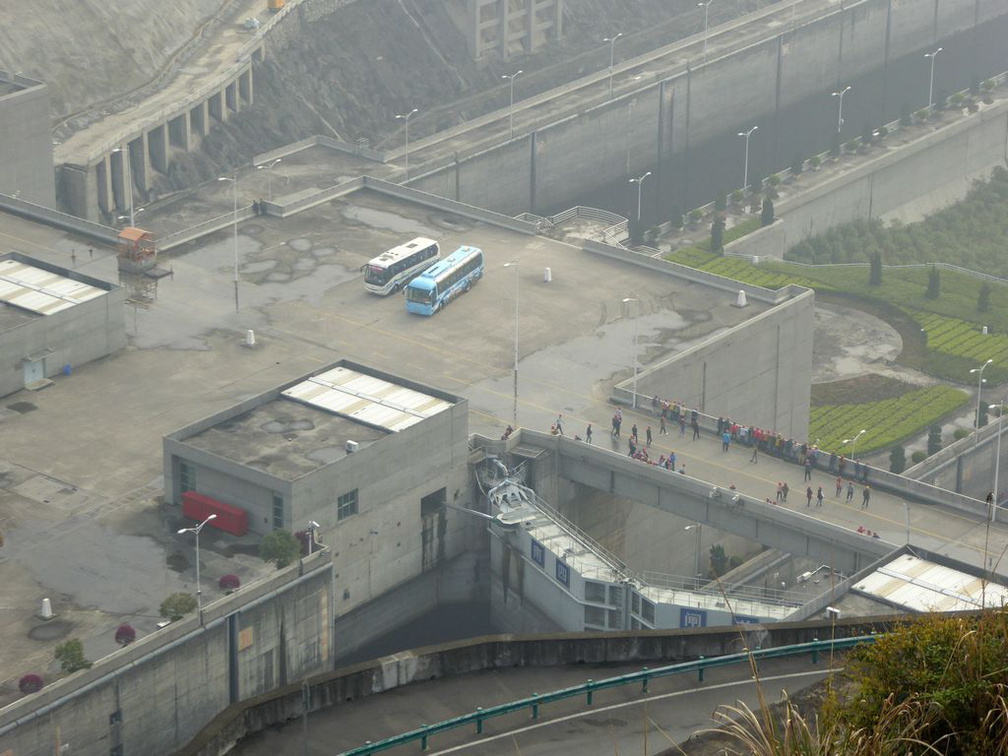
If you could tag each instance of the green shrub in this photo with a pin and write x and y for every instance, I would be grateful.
(70, 655)
(960, 433)
(720, 201)
(918, 456)
(934, 440)
(280, 547)
(897, 459)
(177, 605)
(983, 299)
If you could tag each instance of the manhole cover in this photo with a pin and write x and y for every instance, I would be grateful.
(178, 562)
(51, 630)
(22, 407)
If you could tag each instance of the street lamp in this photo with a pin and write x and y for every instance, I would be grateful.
(612, 51)
(706, 8)
(234, 184)
(129, 182)
(199, 592)
(640, 185)
(511, 78)
(745, 173)
(406, 118)
(696, 526)
(627, 301)
(997, 459)
(312, 527)
(932, 55)
(840, 94)
(269, 177)
(979, 375)
(853, 443)
(514, 409)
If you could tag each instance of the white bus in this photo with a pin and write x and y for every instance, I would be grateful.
(392, 270)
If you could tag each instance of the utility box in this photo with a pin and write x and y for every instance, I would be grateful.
(230, 519)
(275, 5)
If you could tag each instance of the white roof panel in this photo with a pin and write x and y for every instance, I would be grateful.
(40, 291)
(366, 399)
(918, 585)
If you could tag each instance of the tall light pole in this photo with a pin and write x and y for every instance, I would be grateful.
(406, 118)
(745, 172)
(853, 443)
(312, 527)
(979, 375)
(627, 302)
(511, 78)
(269, 177)
(696, 526)
(640, 185)
(199, 592)
(234, 185)
(706, 15)
(514, 409)
(129, 182)
(612, 52)
(840, 94)
(932, 55)
(997, 458)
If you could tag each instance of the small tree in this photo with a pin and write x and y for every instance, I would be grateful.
(815, 161)
(280, 547)
(934, 440)
(983, 300)
(717, 234)
(70, 655)
(767, 213)
(176, 606)
(718, 560)
(875, 271)
(720, 201)
(125, 634)
(30, 684)
(695, 215)
(934, 283)
(918, 456)
(897, 459)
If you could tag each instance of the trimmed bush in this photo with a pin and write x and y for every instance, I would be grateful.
(125, 634)
(30, 684)
(229, 583)
(177, 605)
(70, 655)
(280, 547)
(934, 440)
(897, 459)
(918, 456)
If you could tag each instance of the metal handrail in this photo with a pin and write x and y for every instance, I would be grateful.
(587, 689)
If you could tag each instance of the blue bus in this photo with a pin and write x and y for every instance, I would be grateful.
(444, 280)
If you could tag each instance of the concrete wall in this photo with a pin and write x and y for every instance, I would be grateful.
(165, 687)
(74, 336)
(967, 466)
(26, 153)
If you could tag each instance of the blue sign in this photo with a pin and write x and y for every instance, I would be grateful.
(692, 618)
(538, 553)
(741, 619)
(563, 573)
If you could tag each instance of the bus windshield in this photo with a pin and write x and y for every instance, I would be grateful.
(376, 274)
(423, 296)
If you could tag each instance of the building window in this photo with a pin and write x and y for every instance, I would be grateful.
(346, 505)
(278, 518)
(187, 477)
(433, 503)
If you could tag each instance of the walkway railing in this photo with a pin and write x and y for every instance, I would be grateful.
(643, 678)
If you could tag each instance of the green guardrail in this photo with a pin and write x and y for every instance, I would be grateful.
(588, 689)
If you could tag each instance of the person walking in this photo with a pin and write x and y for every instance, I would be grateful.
(865, 495)
(780, 491)
(808, 497)
(647, 435)
(559, 425)
(633, 432)
(661, 428)
(819, 497)
(725, 441)
(754, 458)
(839, 485)
(786, 489)
(808, 469)
(850, 491)
(588, 433)
(696, 429)
(682, 426)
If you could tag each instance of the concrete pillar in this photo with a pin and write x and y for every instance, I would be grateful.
(72, 193)
(557, 19)
(245, 85)
(117, 171)
(231, 97)
(157, 143)
(180, 131)
(140, 168)
(473, 37)
(103, 180)
(502, 26)
(216, 107)
(199, 119)
(530, 24)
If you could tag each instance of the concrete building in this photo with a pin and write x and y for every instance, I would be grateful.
(506, 28)
(53, 319)
(373, 459)
(26, 151)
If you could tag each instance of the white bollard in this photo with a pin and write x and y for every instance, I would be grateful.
(547, 276)
(740, 301)
(46, 612)
(250, 338)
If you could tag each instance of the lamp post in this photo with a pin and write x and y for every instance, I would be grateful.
(992, 515)
(312, 527)
(234, 184)
(511, 78)
(196, 530)
(696, 526)
(129, 181)
(627, 301)
(932, 55)
(612, 51)
(640, 185)
(406, 118)
(745, 172)
(269, 177)
(706, 9)
(840, 94)
(979, 375)
(853, 443)
(514, 409)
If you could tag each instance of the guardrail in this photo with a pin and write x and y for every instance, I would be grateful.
(534, 703)
(206, 227)
(264, 29)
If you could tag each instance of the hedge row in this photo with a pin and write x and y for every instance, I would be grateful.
(886, 422)
(962, 338)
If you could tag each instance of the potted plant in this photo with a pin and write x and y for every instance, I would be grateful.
(921, 115)
(695, 216)
(125, 634)
(229, 583)
(31, 683)
(958, 100)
